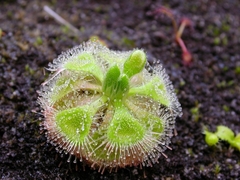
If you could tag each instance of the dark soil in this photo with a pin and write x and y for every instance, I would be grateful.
(209, 85)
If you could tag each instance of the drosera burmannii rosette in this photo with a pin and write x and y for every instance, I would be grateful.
(110, 109)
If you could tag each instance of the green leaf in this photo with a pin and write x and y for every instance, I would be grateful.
(154, 89)
(86, 63)
(122, 86)
(135, 63)
(63, 86)
(236, 142)
(150, 120)
(74, 124)
(111, 80)
(124, 128)
(224, 133)
(114, 85)
(210, 138)
(67, 84)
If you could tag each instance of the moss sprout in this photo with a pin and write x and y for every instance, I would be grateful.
(38, 41)
(217, 169)
(195, 112)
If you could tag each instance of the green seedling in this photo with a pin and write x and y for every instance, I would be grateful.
(178, 31)
(107, 108)
(195, 112)
(217, 169)
(38, 41)
(222, 133)
(211, 138)
(235, 142)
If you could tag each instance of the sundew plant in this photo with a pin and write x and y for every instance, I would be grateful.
(110, 109)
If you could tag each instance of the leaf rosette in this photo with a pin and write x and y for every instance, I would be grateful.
(108, 108)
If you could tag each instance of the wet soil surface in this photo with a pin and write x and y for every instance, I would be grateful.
(208, 88)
